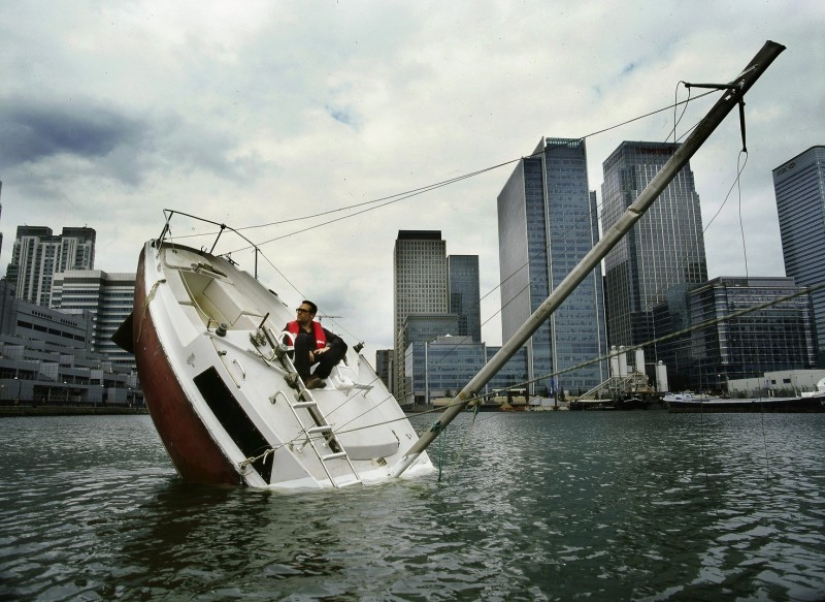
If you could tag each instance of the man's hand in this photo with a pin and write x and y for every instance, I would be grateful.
(317, 352)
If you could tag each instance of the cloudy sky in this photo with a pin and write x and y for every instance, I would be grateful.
(252, 113)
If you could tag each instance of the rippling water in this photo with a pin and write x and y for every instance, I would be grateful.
(542, 506)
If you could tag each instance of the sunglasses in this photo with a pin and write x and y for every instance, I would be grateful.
(301, 310)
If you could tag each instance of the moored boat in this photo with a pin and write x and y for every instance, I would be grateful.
(689, 404)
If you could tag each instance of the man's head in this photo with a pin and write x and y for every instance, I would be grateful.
(306, 312)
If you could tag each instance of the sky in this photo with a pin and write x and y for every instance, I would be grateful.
(256, 113)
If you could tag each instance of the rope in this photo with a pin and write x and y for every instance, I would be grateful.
(464, 442)
(145, 308)
(253, 459)
(440, 461)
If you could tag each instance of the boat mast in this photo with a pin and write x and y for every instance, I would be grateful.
(734, 95)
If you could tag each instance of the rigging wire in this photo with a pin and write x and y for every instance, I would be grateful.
(741, 222)
(394, 198)
(676, 121)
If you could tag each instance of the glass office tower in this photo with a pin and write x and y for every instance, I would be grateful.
(464, 294)
(779, 337)
(547, 222)
(800, 201)
(664, 251)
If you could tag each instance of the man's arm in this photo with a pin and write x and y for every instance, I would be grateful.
(333, 340)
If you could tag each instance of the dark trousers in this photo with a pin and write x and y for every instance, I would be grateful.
(304, 343)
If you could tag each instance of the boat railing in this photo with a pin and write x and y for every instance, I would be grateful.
(169, 213)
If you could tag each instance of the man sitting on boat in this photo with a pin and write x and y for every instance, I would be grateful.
(314, 346)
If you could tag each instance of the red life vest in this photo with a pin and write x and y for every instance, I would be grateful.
(320, 337)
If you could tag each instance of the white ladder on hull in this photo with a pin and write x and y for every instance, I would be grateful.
(320, 436)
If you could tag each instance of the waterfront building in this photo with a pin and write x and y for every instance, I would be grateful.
(40, 325)
(443, 366)
(779, 337)
(779, 383)
(424, 327)
(38, 254)
(45, 359)
(464, 294)
(108, 297)
(547, 222)
(420, 287)
(799, 185)
(664, 251)
(512, 378)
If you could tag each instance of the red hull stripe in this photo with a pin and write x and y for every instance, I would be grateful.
(194, 453)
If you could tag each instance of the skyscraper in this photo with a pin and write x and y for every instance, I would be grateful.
(547, 222)
(800, 201)
(420, 275)
(38, 255)
(464, 294)
(663, 253)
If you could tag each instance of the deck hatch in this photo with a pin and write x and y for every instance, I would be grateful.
(234, 420)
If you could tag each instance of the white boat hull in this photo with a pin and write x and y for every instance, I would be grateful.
(206, 338)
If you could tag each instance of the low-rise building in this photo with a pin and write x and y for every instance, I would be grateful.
(45, 359)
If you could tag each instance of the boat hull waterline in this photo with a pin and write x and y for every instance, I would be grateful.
(207, 339)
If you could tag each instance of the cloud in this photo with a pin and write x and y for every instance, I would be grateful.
(32, 130)
(96, 141)
(344, 116)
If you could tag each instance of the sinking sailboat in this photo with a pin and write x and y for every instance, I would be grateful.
(215, 364)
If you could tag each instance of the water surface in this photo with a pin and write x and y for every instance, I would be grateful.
(528, 506)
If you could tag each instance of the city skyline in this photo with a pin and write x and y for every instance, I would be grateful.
(6, 259)
(111, 115)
